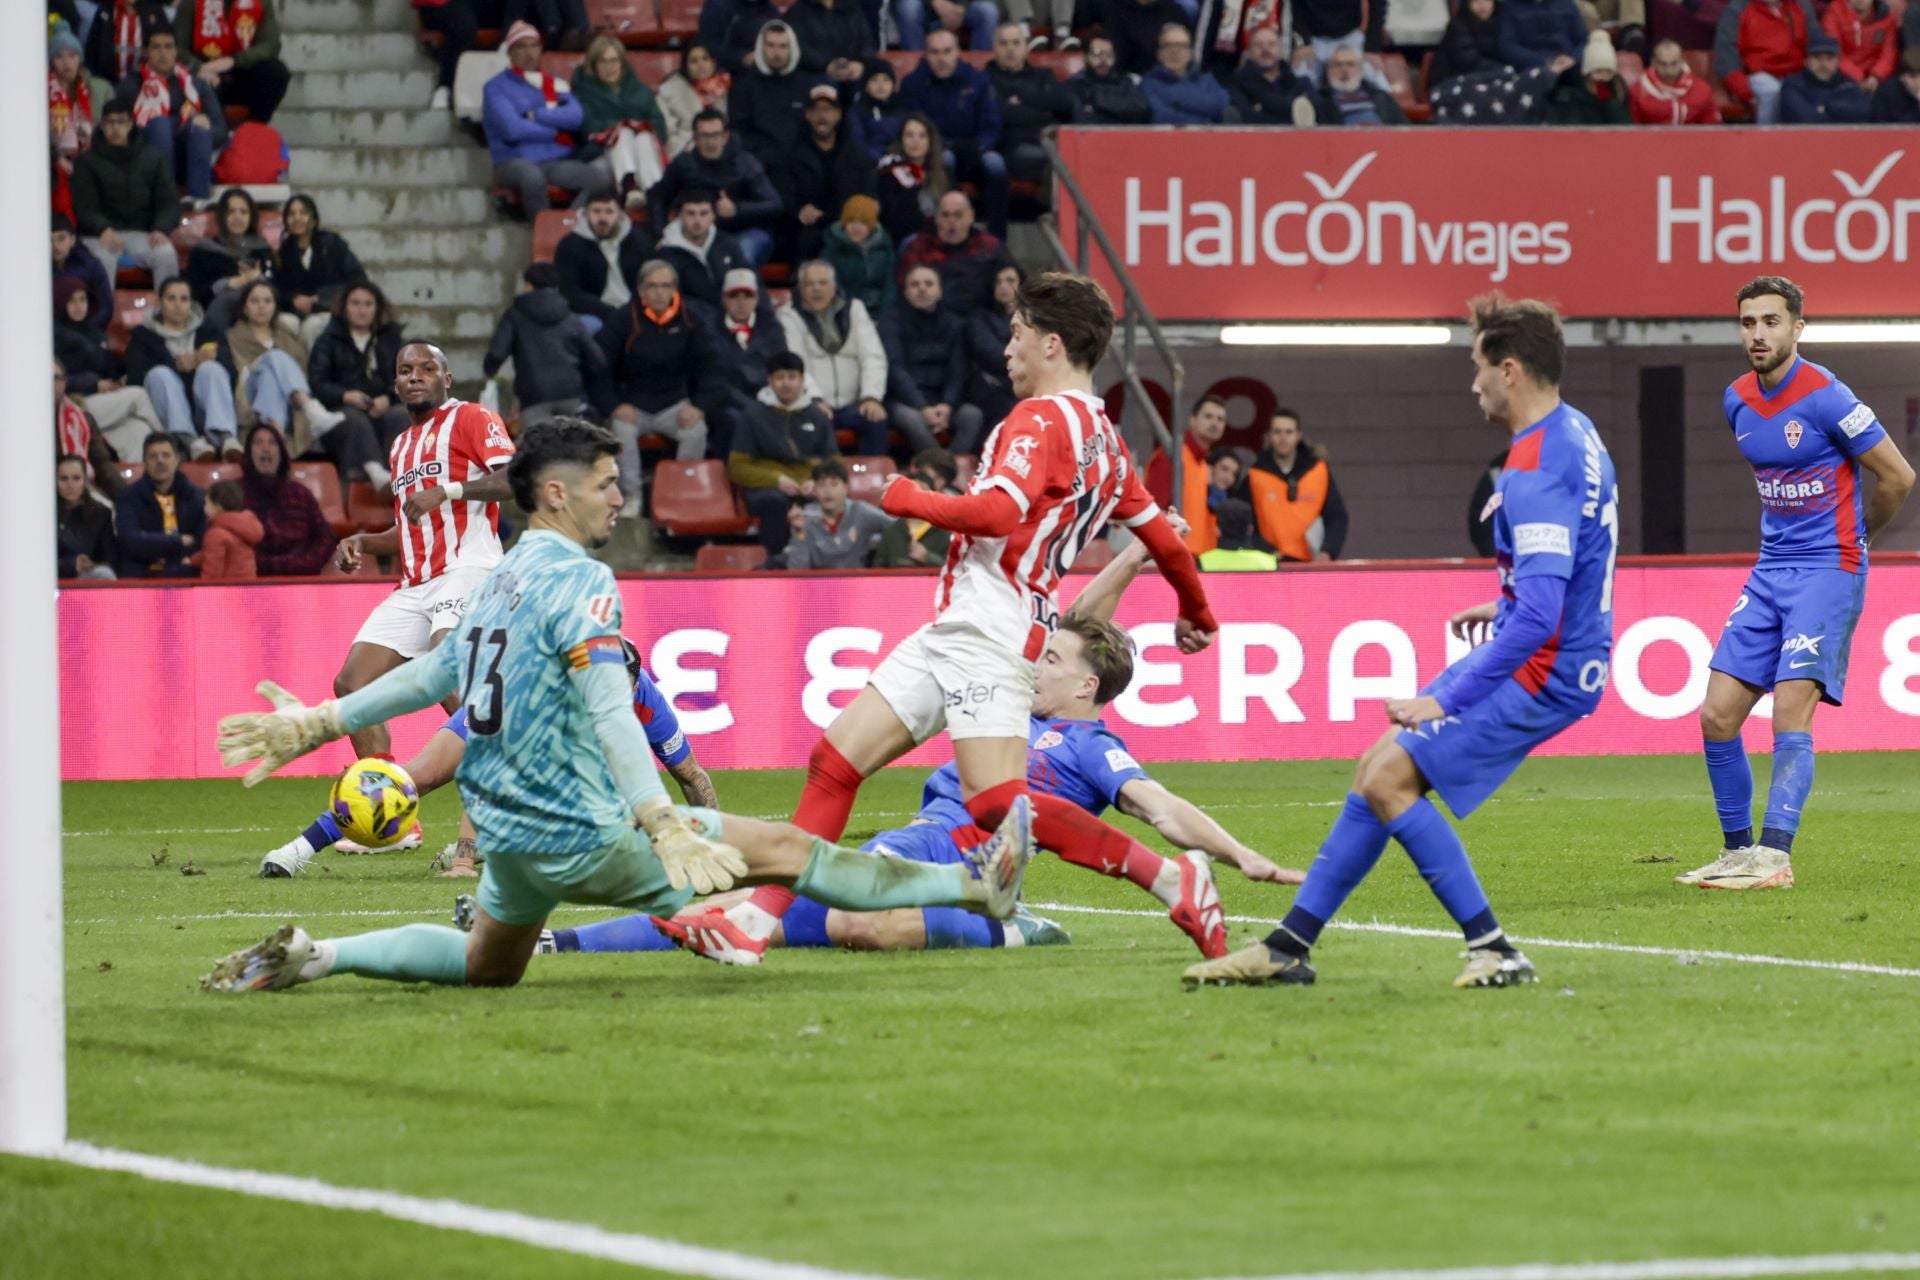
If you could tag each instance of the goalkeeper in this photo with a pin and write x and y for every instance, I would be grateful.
(557, 777)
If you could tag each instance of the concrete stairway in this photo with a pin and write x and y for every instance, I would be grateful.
(405, 186)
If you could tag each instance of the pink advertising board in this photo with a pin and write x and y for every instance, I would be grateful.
(755, 665)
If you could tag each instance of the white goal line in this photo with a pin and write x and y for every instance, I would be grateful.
(588, 1241)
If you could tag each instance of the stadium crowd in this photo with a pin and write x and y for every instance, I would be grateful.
(786, 258)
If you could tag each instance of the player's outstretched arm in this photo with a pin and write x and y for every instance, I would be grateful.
(1895, 481)
(1184, 825)
(991, 513)
(1101, 597)
(694, 783)
(346, 556)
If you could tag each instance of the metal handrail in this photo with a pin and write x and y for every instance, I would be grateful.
(1133, 307)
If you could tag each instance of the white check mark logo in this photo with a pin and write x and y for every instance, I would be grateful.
(1743, 435)
(1795, 666)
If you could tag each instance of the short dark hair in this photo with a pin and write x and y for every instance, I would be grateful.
(786, 362)
(169, 282)
(709, 115)
(1224, 452)
(1522, 329)
(62, 222)
(228, 494)
(1204, 401)
(120, 105)
(608, 196)
(1073, 308)
(560, 441)
(693, 195)
(155, 30)
(1235, 519)
(1281, 411)
(1761, 286)
(1107, 650)
(65, 458)
(940, 462)
(382, 312)
(830, 469)
(541, 275)
(154, 438)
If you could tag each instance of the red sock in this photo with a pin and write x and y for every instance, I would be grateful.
(989, 808)
(825, 805)
(1085, 841)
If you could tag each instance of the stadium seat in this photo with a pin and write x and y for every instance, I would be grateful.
(1095, 555)
(628, 21)
(1700, 62)
(1400, 82)
(734, 557)
(680, 20)
(550, 227)
(133, 279)
(1064, 64)
(564, 66)
(903, 61)
(776, 273)
(368, 509)
(653, 65)
(128, 471)
(967, 463)
(866, 477)
(207, 474)
(193, 228)
(694, 497)
(130, 310)
(1631, 67)
(323, 482)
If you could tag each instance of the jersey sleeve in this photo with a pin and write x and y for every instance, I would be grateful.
(669, 744)
(1106, 765)
(1034, 458)
(1544, 516)
(1851, 425)
(1136, 505)
(584, 627)
(483, 437)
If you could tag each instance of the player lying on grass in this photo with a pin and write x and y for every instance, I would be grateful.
(1071, 754)
(1555, 531)
(557, 778)
(434, 767)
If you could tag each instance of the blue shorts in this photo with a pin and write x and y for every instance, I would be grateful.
(1466, 757)
(1793, 624)
(921, 842)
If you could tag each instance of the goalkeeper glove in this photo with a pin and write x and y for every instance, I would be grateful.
(274, 737)
(689, 857)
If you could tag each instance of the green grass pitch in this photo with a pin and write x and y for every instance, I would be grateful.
(1058, 1113)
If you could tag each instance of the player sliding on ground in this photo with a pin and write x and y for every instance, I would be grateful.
(1071, 754)
(434, 767)
(1805, 435)
(1051, 475)
(1556, 530)
(557, 777)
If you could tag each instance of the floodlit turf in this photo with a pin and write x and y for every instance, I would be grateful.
(1059, 1113)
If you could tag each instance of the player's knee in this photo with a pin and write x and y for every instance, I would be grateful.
(1717, 724)
(344, 683)
(481, 974)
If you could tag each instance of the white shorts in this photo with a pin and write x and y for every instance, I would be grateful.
(407, 620)
(949, 675)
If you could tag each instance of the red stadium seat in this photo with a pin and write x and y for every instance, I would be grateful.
(1631, 67)
(1095, 555)
(737, 557)
(1400, 82)
(866, 477)
(565, 66)
(1700, 62)
(207, 474)
(680, 20)
(776, 273)
(653, 65)
(629, 21)
(903, 61)
(1063, 64)
(967, 463)
(130, 310)
(128, 471)
(323, 481)
(694, 497)
(369, 509)
(132, 279)
(550, 227)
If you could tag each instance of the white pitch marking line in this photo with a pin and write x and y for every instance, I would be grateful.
(1620, 948)
(588, 1241)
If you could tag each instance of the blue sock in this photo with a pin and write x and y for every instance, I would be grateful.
(1732, 780)
(622, 933)
(805, 924)
(322, 833)
(1441, 859)
(1348, 853)
(951, 927)
(1787, 796)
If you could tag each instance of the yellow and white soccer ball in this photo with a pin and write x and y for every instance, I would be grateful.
(373, 801)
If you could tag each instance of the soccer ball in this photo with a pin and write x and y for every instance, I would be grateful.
(373, 801)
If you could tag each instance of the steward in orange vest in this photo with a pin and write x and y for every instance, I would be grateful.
(1290, 496)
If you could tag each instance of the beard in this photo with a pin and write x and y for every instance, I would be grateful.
(1771, 361)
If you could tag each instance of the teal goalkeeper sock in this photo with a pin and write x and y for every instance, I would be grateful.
(855, 881)
(411, 953)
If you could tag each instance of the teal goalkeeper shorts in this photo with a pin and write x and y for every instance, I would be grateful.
(524, 888)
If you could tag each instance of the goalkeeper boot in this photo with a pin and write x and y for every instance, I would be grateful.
(1029, 930)
(1198, 913)
(1728, 859)
(1757, 868)
(1001, 863)
(466, 908)
(271, 964)
(1258, 965)
(412, 838)
(713, 936)
(1490, 967)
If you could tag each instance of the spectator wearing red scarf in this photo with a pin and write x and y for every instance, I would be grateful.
(1670, 93)
(234, 45)
(532, 126)
(74, 98)
(179, 117)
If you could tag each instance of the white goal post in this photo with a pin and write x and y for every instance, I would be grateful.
(33, 1047)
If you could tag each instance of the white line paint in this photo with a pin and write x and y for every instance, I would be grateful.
(1687, 954)
(588, 1241)
(578, 1238)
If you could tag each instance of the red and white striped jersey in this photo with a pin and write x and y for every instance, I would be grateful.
(1065, 465)
(463, 442)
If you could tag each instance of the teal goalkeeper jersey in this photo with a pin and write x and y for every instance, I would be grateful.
(534, 779)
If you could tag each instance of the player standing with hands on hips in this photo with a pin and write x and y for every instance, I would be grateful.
(1556, 534)
(1051, 476)
(1806, 436)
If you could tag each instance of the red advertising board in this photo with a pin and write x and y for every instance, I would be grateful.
(1385, 224)
(756, 666)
